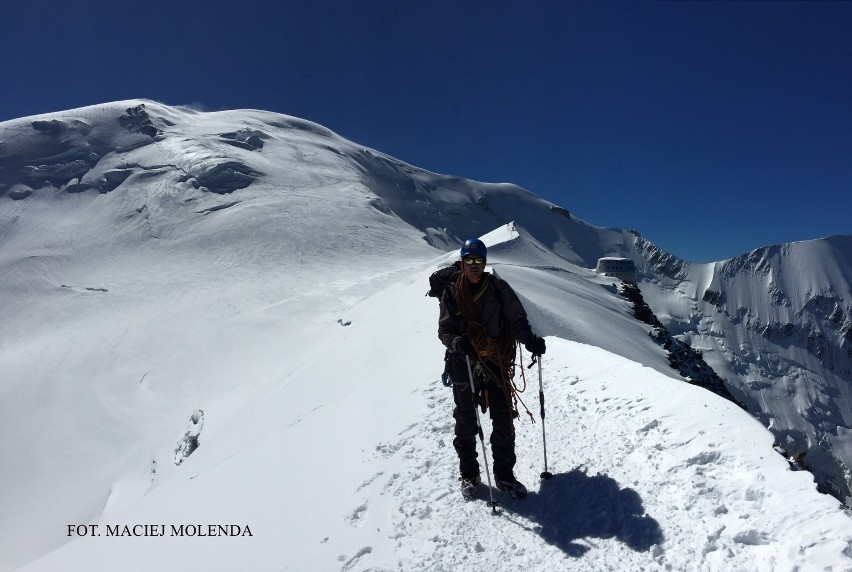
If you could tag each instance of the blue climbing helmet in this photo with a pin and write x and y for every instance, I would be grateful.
(474, 246)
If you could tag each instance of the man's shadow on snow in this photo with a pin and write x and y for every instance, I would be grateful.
(574, 505)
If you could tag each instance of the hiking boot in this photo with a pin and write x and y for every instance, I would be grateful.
(512, 486)
(469, 486)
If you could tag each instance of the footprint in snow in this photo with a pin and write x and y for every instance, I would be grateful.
(356, 517)
(83, 290)
(355, 559)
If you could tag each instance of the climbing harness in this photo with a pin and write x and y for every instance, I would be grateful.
(496, 356)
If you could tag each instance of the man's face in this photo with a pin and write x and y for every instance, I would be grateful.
(473, 266)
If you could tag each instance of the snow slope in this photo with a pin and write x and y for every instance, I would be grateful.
(252, 284)
(777, 324)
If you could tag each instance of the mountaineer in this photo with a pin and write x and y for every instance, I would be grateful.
(481, 321)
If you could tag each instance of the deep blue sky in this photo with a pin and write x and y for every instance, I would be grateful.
(712, 128)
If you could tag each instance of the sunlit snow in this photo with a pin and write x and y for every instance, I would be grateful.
(219, 319)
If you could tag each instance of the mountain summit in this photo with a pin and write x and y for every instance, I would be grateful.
(215, 352)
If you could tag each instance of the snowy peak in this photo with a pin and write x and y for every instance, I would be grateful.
(193, 162)
(798, 267)
(97, 148)
(806, 299)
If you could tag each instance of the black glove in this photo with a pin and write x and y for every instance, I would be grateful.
(535, 346)
(462, 345)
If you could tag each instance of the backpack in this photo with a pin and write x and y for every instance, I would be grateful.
(440, 279)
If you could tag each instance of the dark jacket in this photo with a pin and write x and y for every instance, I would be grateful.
(497, 308)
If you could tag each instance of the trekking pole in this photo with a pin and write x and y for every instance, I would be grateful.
(546, 474)
(492, 503)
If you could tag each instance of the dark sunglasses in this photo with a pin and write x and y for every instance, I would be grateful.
(470, 261)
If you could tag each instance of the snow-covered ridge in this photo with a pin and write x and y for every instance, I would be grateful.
(99, 148)
(210, 310)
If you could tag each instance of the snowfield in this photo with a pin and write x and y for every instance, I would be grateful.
(349, 465)
(198, 374)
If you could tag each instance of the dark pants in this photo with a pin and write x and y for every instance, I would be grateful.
(502, 429)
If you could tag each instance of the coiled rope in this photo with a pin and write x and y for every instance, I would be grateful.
(499, 352)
